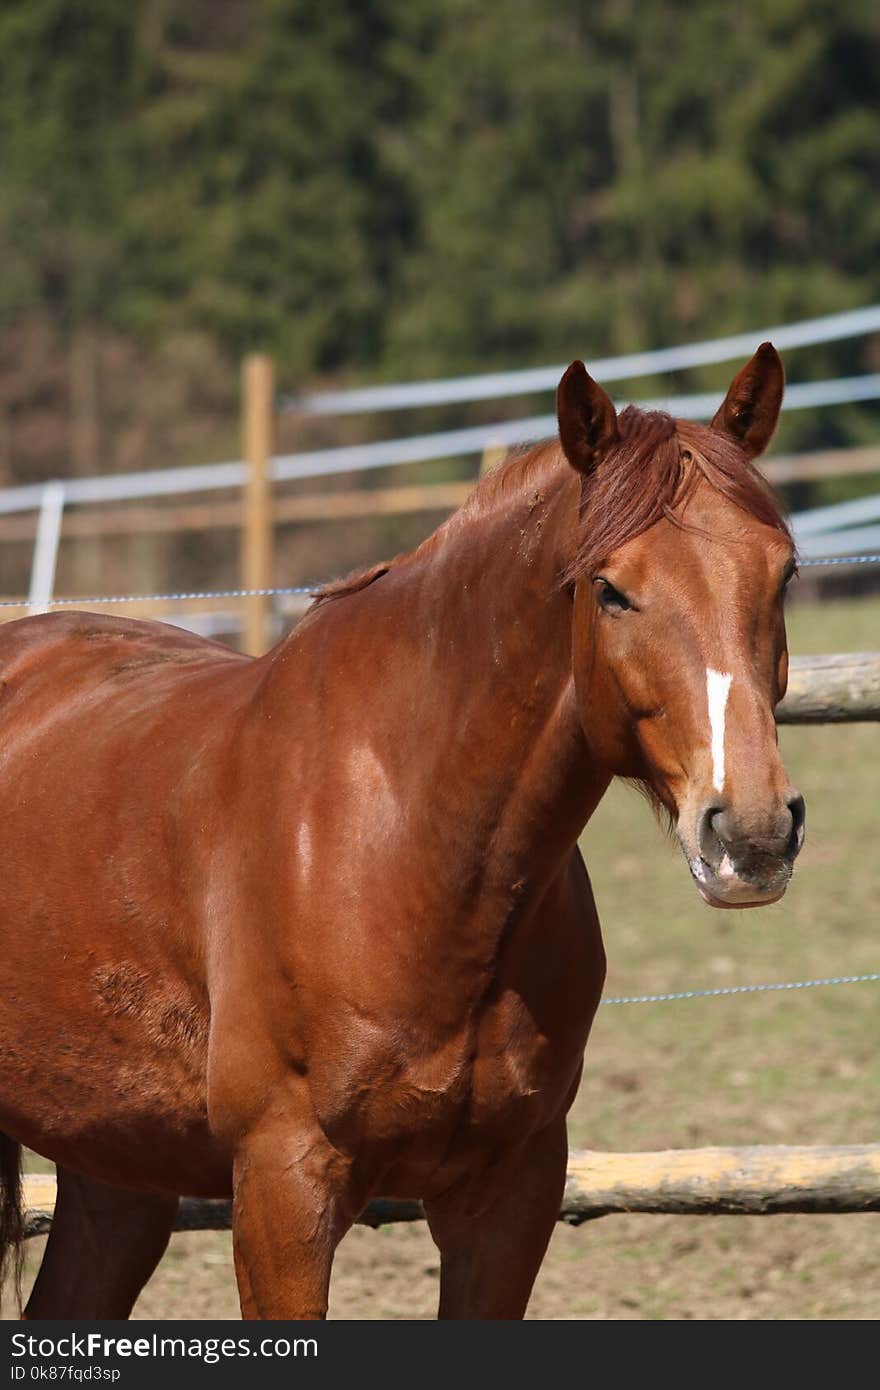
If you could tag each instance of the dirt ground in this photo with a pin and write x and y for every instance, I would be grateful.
(798, 1067)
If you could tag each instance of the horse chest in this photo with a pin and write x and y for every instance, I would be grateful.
(505, 1070)
(430, 1062)
(495, 1078)
(521, 1073)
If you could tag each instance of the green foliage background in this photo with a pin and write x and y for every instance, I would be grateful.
(374, 188)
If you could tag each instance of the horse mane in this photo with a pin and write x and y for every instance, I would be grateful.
(649, 474)
(516, 471)
(351, 583)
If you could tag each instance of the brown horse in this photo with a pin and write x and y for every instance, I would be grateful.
(314, 927)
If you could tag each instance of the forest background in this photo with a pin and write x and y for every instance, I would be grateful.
(380, 190)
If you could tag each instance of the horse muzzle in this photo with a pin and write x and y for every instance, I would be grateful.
(737, 863)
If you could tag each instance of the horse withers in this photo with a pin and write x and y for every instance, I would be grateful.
(314, 927)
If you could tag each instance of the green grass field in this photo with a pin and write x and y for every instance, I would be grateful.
(785, 1068)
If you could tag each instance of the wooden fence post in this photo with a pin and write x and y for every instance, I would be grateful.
(258, 434)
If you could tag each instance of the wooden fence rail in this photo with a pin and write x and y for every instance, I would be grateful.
(762, 1180)
(839, 689)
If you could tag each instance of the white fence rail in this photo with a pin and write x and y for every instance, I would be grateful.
(843, 528)
(827, 532)
(495, 385)
(387, 453)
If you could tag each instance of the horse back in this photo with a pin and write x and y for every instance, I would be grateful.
(93, 640)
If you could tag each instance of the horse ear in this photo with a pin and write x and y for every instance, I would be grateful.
(751, 406)
(587, 419)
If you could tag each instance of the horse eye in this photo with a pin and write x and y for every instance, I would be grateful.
(788, 575)
(609, 598)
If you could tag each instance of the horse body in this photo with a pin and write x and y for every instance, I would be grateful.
(314, 927)
(207, 827)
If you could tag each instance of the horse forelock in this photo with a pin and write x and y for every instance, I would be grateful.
(651, 473)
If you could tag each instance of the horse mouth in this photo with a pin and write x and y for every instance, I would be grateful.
(728, 890)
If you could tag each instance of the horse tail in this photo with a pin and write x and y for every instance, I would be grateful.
(11, 1214)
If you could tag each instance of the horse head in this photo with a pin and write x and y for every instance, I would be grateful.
(679, 645)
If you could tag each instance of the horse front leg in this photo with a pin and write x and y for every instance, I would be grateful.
(290, 1210)
(493, 1230)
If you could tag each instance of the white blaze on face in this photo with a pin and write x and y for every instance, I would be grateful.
(717, 691)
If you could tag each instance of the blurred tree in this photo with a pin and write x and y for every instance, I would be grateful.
(377, 188)
(608, 176)
(267, 211)
(65, 104)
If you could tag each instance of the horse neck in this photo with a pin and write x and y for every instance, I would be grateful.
(468, 696)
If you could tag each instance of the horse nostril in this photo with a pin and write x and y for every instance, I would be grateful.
(710, 834)
(721, 833)
(798, 811)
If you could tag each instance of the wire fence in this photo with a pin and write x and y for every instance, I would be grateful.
(182, 596)
(289, 590)
(740, 989)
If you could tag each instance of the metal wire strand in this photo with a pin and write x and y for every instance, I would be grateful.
(308, 589)
(159, 598)
(739, 989)
(843, 560)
